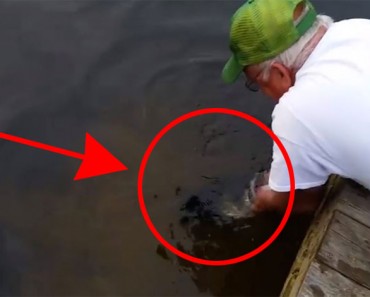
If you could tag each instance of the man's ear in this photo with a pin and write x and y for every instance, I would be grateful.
(280, 70)
(282, 73)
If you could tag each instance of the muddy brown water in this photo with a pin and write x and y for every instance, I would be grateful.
(122, 70)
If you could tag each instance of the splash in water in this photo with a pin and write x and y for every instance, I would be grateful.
(242, 207)
(238, 209)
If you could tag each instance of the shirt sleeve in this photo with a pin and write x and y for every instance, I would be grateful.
(308, 171)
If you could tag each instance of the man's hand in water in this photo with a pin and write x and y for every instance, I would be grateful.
(305, 201)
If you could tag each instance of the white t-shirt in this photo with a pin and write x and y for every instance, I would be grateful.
(323, 121)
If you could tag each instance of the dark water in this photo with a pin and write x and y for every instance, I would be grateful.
(122, 70)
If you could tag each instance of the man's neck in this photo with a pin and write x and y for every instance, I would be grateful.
(309, 48)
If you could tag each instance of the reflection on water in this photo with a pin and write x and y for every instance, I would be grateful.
(202, 228)
(205, 232)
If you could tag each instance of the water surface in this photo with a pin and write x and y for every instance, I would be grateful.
(122, 70)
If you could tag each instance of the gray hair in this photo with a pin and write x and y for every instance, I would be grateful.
(296, 55)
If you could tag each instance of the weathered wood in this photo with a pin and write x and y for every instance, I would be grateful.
(334, 259)
(323, 281)
(312, 241)
(355, 203)
(351, 229)
(346, 249)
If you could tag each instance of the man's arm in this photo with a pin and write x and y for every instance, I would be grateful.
(305, 201)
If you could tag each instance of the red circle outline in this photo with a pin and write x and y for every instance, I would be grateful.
(144, 162)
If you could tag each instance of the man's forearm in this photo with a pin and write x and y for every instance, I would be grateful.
(305, 200)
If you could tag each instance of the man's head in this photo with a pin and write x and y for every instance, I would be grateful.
(261, 31)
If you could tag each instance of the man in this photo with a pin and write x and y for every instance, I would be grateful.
(318, 72)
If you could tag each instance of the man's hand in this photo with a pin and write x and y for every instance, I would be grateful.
(305, 201)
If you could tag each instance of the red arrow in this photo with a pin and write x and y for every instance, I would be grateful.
(96, 160)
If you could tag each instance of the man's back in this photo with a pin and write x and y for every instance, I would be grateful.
(324, 120)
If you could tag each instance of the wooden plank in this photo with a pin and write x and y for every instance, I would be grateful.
(322, 281)
(339, 241)
(313, 239)
(346, 249)
(355, 202)
(351, 229)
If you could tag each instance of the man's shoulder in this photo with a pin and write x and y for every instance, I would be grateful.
(292, 117)
(285, 122)
(349, 29)
(296, 100)
(351, 22)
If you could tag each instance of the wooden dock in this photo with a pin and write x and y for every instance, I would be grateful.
(334, 258)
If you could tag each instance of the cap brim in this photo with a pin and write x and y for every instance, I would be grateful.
(232, 70)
